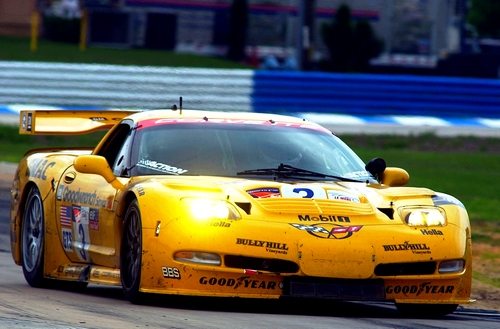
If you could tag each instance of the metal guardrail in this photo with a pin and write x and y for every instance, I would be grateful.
(108, 86)
(98, 85)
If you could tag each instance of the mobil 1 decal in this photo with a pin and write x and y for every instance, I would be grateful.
(303, 191)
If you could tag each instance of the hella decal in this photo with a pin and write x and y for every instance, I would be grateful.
(328, 231)
(431, 232)
(220, 223)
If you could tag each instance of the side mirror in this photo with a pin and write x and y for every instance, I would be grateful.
(393, 176)
(98, 165)
(376, 167)
(390, 176)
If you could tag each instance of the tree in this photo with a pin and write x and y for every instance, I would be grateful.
(238, 22)
(351, 46)
(483, 15)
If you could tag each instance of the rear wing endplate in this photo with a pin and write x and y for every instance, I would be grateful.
(68, 122)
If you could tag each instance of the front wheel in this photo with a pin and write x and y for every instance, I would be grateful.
(131, 253)
(426, 310)
(32, 239)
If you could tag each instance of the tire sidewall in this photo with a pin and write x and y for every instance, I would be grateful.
(131, 291)
(35, 277)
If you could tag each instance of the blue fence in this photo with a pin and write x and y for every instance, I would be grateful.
(92, 85)
(367, 94)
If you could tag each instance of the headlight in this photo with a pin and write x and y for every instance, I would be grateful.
(452, 266)
(423, 216)
(209, 209)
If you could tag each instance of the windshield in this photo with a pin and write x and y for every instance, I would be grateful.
(239, 149)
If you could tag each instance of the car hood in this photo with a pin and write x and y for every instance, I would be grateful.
(304, 197)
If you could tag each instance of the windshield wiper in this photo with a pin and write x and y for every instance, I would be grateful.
(287, 171)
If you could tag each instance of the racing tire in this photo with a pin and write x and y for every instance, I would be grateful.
(32, 239)
(131, 254)
(426, 310)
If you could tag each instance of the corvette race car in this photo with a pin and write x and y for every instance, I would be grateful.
(232, 204)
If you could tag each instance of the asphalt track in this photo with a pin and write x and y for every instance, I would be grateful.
(104, 307)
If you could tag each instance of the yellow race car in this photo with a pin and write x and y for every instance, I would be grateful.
(232, 204)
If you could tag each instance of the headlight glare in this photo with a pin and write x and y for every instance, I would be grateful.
(423, 216)
(197, 257)
(209, 209)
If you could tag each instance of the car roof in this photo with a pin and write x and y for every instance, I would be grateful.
(153, 117)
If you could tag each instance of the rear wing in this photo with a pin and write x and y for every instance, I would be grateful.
(68, 122)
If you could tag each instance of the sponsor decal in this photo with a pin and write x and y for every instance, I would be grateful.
(59, 192)
(423, 288)
(161, 167)
(328, 231)
(98, 118)
(81, 229)
(304, 192)
(220, 223)
(94, 218)
(358, 174)
(265, 192)
(67, 238)
(324, 218)
(241, 282)
(171, 272)
(140, 190)
(38, 168)
(29, 122)
(416, 248)
(77, 196)
(270, 246)
(341, 196)
(431, 232)
(65, 215)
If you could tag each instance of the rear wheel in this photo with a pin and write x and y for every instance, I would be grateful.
(426, 310)
(131, 253)
(32, 239)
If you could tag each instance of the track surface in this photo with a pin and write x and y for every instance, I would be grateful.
(105, 307)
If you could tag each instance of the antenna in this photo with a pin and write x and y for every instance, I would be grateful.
(180, 105)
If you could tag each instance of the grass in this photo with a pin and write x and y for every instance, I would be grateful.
(18, 49)
(495, 282)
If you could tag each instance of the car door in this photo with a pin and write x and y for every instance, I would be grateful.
(86, 205)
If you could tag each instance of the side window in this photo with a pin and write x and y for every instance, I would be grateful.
(116, 147)
(121, 162)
